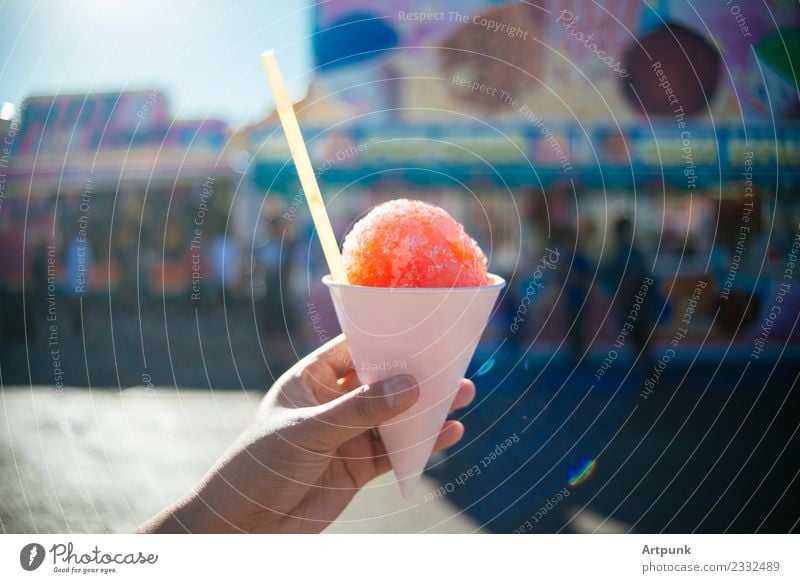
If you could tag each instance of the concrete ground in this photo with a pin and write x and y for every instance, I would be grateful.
(105, 461)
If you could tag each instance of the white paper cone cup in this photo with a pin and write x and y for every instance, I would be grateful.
(428, 333)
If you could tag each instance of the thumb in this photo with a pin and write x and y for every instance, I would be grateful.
(364, 408)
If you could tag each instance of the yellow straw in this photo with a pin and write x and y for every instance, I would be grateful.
(304, 169)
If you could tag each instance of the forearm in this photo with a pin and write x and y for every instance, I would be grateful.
(203, 510)
(189, 515)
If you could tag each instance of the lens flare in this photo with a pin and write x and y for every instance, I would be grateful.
(6, 111)
(485, 367)
(581, 472)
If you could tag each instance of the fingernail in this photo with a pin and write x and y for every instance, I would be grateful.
(398, 391)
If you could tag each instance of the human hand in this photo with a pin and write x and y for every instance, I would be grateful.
(308, 451)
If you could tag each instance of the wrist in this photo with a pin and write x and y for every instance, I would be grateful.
(194, 513)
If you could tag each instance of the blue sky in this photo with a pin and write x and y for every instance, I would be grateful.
(203, 53)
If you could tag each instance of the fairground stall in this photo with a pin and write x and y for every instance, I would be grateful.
(539, 127)
(569, 138)
(103, 195)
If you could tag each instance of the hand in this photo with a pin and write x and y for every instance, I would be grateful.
(307, 452)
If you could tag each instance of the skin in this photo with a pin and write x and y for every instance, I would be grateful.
(310, 448)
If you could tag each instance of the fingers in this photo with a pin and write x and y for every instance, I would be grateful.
(329, 391)
(356, 411)
(464, 396)
(325, 367)
(380, 459)
(348, 382)
(451, 433)
(330, 374)
(336, 354)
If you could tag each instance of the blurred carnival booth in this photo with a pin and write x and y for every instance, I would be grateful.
(104, 193)
(630, 168)
(540, 127)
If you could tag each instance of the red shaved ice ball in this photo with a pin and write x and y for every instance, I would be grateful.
(409, 243)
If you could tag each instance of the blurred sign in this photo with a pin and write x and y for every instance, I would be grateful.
(418, 60)
(58, 123)
(512, 154)
(65, 138)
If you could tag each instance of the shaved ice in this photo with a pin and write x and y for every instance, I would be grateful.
(409, 243)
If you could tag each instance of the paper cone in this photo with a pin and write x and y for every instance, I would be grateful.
(428, 333)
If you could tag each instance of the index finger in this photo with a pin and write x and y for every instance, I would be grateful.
(336, 354)
(326, 369)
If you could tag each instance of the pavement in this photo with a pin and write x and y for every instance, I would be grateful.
(85, 461)
(712, 447)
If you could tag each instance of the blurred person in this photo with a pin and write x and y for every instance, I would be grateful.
(276, 313)
(123, 253)
(225, 259)
(627, 277)
(310, 448)
(575, 273)
(78, 269)
(275, 257)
